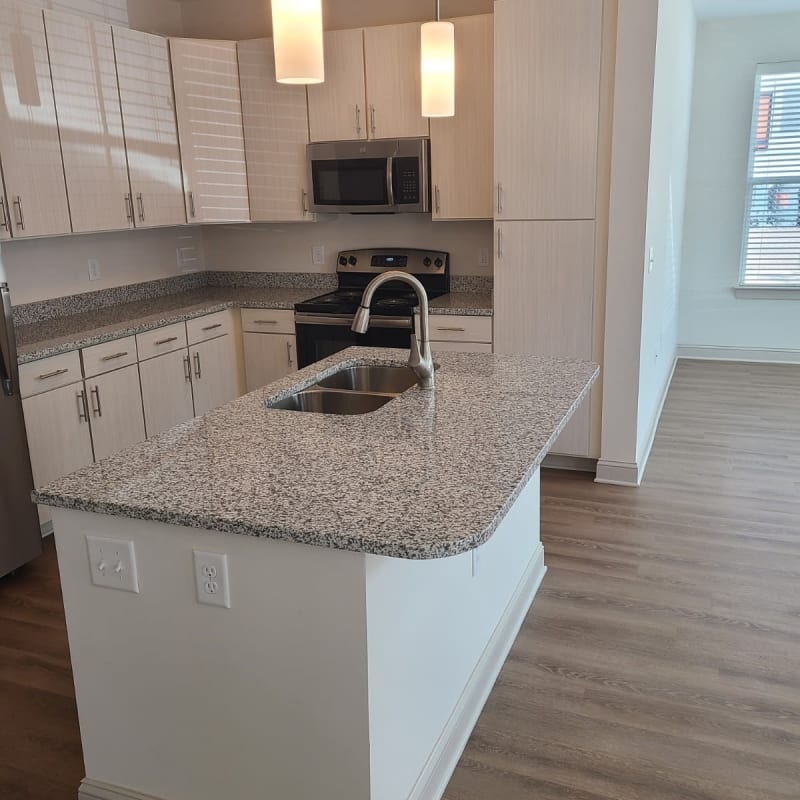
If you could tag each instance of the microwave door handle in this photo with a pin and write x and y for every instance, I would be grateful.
(390, 179)
(7, 370)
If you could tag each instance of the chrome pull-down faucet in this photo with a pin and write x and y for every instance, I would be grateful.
(420, 360)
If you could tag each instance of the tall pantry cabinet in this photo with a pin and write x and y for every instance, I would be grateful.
(553, 83)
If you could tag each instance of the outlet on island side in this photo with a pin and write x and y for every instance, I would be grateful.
(211, 579)
(94, 269)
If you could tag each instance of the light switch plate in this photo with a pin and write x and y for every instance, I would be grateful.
(483, 257)
(94, 269)
(318, 254)
(211, 579)
(112, 563)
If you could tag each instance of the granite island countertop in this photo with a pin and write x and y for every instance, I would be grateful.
(62, 334)
(429, 475)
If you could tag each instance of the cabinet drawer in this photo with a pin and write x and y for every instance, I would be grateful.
(461, 329)
(50, 373)
(109, 356)
(256, 320)
(461, 347)
(161, 341)
(209, 327)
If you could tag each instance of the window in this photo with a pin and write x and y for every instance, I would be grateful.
(771, 252)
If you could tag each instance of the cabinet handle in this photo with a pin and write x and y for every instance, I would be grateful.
(265, 322)
(129, 208)
(212, 327)
(358, 119)
(187, 369)
(438, 198)
(499, 198)
(20, 213)
(289, 353)
(453, 330)
(166, 341)
(4, 219)
(49, 375)
(98, 410)
(140, 201)
(114, 357)
(304, 201)
(372, 118)
(197, 369)
(83, 406)
(192, 212)
(499, 242)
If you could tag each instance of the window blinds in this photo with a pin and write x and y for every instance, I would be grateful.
(772, 226)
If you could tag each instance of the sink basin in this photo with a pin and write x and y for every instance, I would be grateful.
(383, 380)
(324, 402)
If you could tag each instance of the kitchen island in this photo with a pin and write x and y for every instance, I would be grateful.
(379, 568)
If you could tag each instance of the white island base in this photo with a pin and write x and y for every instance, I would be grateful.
(335, 675)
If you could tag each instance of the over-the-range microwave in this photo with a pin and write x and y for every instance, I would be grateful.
(385, 176)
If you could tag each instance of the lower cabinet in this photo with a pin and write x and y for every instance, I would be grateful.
(214, 375)
(166, 391)
(268, 357)
(461, 334)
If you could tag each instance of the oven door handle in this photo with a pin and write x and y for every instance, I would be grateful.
(347, 321)
(390, 179)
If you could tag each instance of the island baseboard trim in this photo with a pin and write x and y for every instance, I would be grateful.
(439, 768)
(96, 790)
(618, 473)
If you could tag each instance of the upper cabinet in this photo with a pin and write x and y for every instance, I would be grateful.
(394, 95)
(36, 196)
(151, 132)
(337, 108)
(275, 118)
(547, 100)
(90, 122)
(209, 111)
(461, 146)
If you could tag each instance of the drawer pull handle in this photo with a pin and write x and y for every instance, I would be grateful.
(453, 330)
(212, 327)
(265, 322)
(114, 357)
(49, 375)
(166, 341)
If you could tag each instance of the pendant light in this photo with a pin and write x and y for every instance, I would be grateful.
(438, 68)
(297, 35)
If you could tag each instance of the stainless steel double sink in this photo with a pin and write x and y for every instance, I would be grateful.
(351, 391)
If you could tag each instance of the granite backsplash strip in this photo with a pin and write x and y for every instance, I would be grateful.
(471, 283)
(325, 281)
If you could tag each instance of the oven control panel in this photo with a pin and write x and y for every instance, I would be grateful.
(415, 262)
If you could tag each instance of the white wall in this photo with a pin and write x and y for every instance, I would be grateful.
(728, 51)
(287, 248)
(669, 150)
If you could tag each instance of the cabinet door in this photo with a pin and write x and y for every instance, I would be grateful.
(209, 110)
(29, 144)
(275, 120)
(337, 108)
(214, 375)
(151, 131)
(394, 92)
(166, 391)
(59, 439)
(115, 400)
(461, 146)
(5, 219)
(544, 300)
(547, 100)
(90, 122)
(268, 357)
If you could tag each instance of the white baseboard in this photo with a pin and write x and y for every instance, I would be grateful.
(96, 790)
(764, 355)
(644, 456)
(442, 762)
(618, 473)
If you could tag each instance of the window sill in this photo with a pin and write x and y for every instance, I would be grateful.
(767, 292)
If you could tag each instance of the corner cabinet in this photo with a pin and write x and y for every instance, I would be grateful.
(35, 203)
(209, 110)
(275, 119)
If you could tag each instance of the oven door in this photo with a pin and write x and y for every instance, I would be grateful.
(320, 336)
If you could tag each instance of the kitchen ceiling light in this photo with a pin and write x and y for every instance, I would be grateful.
(297, 35)
(438, 68)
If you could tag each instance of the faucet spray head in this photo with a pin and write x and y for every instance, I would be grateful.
(361, 320)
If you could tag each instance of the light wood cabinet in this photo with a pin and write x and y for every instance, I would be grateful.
(151, 131)
(394, 94)
(462, 146)
(209, 112)
(547, 99)
(275, 118)
(214, 374)
(115, 402)
(337, 108)
(268, 357)
(90, 122)
(544, 298)
(29, 145)
(166, 391)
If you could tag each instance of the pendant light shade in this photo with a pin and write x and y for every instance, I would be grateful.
(297, 34)
(438, 69)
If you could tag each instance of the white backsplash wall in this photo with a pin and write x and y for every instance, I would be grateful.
(42, 269)
(288, 248)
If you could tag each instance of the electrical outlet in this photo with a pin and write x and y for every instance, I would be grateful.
(318, 254)
(652, 260)
(112, 563)
(211, 579)
(94, 270)
(483, 257)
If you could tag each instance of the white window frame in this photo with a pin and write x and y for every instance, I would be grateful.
(750, 289)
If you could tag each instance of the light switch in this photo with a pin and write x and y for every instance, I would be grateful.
(113, 564)
(318, 254)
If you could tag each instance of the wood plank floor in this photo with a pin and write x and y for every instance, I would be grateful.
(661, 659)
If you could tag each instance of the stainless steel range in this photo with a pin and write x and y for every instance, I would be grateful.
(324, 324)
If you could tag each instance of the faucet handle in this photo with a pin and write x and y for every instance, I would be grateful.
(415, 358)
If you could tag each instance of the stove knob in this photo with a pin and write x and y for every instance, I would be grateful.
(352, 261)
(343, 260)
(427, 262)
(439, 262)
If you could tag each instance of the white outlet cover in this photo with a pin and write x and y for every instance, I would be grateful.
(112, 563)
(211, 579)
(318, 254)
(94, 269)
(483, 257)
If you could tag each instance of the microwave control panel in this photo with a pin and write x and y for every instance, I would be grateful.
(406, 188)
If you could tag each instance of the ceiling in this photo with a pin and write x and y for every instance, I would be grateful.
(743, 8)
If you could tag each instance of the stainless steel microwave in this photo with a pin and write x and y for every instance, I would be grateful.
(386, 176)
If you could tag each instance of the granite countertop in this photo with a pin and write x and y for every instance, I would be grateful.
(429, 475)
(62, 334)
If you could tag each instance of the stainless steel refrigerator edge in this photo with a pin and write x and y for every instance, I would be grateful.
(20, 535)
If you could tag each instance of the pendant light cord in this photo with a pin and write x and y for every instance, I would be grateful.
(438, 10)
